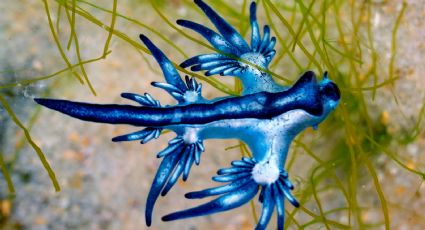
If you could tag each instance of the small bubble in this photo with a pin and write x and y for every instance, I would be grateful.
(37, 65)
(182, 11)
(413, 149)
(376, 20)
(393, 170)
(40, 85)
(27, 91)
(343, 219)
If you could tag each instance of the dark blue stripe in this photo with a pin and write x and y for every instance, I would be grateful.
(303, 95)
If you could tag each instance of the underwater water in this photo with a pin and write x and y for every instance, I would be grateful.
(362, 169)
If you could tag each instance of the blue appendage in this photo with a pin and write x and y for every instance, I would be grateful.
(178, 159)
(183, 93)
(235, 57)
(241, 189)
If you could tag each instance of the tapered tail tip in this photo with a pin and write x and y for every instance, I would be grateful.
(38, 100)
(55, 104)
(44, 102)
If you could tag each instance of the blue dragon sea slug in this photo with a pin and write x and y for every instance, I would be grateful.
(267, 117)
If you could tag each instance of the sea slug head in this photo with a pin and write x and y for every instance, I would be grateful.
(306, 104)
(330, 94)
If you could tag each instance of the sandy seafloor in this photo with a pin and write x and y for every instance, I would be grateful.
(105, 184)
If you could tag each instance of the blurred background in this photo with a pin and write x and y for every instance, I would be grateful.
(362, 169)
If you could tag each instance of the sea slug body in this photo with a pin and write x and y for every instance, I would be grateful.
(267, 117)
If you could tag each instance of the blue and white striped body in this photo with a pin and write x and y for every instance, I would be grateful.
(267, 116)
